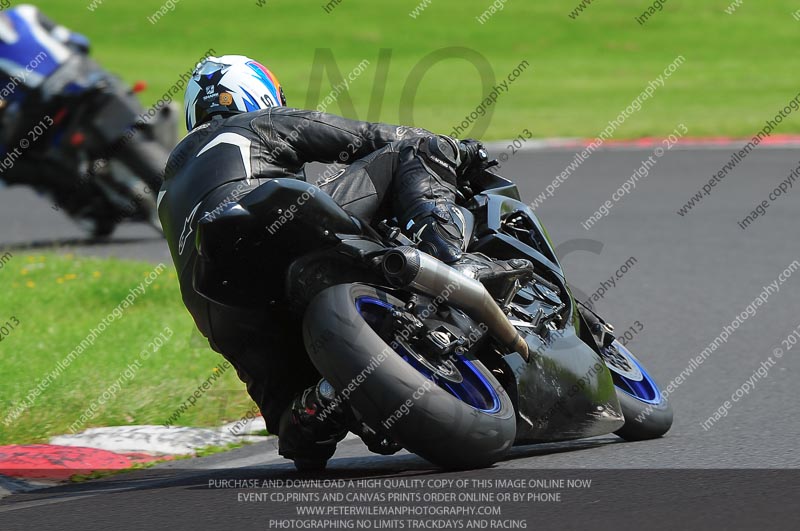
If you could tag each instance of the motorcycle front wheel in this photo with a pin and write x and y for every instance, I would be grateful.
(648, 414)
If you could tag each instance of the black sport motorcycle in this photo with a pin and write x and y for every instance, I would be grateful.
(455, 365)
(91, 147)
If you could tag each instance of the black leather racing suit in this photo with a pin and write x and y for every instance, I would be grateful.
(406, 172)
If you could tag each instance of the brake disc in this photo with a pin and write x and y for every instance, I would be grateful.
(620, 363)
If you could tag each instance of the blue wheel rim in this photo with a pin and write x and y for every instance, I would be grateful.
(645, 390)
(474, 389)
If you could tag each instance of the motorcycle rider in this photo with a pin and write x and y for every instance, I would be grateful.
(241, 135)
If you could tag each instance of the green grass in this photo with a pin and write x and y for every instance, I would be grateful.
(739, 68)
(57, 300)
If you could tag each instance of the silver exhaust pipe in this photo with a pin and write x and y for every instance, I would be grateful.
(407, 267)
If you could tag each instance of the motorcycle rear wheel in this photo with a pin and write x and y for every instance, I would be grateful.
(454, 424)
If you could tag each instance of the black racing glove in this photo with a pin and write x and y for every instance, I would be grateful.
(473, 156)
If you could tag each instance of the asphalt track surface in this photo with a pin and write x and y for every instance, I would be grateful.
(692, 276)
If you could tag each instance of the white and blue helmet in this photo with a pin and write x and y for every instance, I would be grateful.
(230, 84)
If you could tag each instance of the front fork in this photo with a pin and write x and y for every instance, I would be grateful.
(598, 333)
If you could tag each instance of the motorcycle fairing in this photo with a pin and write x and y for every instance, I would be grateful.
(498, 208)
(549, 405)
(564, 392)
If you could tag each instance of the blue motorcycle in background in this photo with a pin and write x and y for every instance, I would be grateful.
(75, 132)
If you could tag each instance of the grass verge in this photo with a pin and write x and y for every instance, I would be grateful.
(57, 301)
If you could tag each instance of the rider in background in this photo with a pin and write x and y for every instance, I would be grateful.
(33, 50)
(65, 122)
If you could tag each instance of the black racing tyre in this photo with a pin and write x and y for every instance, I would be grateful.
(146, 158)
(396, 397)
(103, 228)
(641, 421)
(648, 414)
(97, 215)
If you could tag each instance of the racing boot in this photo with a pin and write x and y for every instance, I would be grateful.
(311, 427)
(439, 232)
(502, 278)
